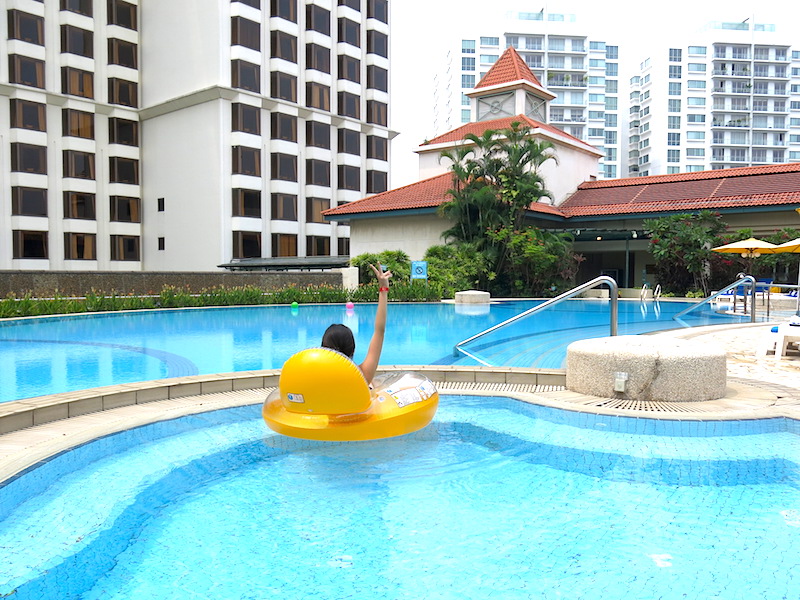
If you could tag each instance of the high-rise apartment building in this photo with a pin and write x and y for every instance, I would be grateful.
(731, 98)
(581, 71)
(181, 135)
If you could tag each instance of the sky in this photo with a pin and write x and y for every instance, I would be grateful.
(423, 30)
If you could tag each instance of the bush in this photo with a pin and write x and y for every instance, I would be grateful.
(395, 261)
(455, 267)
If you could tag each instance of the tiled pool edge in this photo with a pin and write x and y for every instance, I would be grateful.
(22, 414)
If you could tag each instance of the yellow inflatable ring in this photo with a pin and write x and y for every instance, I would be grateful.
(322, 395)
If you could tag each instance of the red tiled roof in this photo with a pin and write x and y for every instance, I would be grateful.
(427, 193)
(509, 67)
(714, 190)
(478, 127)
(772, 185)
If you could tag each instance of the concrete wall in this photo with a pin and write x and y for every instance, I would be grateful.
(412, 234)
(41, 283)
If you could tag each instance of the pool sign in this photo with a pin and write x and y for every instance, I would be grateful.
(419, 269)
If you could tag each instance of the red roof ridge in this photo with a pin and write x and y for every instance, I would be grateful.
(697, 175)
(509, 67)
(377, 198)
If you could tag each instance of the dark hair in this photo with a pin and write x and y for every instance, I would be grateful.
(339, 337)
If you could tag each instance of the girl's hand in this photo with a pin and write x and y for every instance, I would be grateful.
(382, 276)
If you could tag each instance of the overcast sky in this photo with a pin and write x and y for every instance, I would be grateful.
(423, 30)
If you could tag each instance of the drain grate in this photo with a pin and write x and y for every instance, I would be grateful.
(472, 386)
(649, 406)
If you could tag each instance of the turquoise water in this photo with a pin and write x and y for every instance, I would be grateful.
(53, 355)
(495, 498)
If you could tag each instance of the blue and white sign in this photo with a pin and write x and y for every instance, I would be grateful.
(419, 269)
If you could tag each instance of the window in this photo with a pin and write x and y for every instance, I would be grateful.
(377, 147)
(284, 244)
(79, 205)
(82, 7)
(468, 46)
(490, 41)
(377, 182)
(29, 244)
(349, 178)
(28, 115)
(284, 166)
(697, 67)
(122, 53)
(122, 92)
(78, 164)
(699, 135)
(247, 33)
(26, 71)
(349, 142)
(673, 139)
(349, 68)
(694, 152)
(284, 9)
(696, 84)
(75, 40)
(738, 154)
(282, 45)
(27, 158)
(283, 127)
(318, 96)
(378, 43)
(349, 105)
(612, 52)
(673, 156)
(283, 86)
(758, 155)
(612, 69)
(596, 132)
(318, 58)
(314, 208)
(377, 78)
(317, 245)
(378, 9)
(245, 117)
(29, 201)
(25, 27)
(377, 112)
(76, 123)
(467, 81)
(611, 103)
(698, 50)
(673, 122)
(246, 161)
(318, 172)
(610, 137)
(123, 170)
(125, 209)
(344, 243)
(318, 134)
(488, 59)
(124, 247)
(696, 101)
(675, 55)
(245, 76)
(674, 89)
(354, 4)
(318, 19)
(246, 203)
(612, 86)
(284, 207)
(123, 131)
(246, 244)
(467, 63)
(122, 14)
(349, 32)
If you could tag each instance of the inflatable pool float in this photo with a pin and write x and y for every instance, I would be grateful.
(322, 395)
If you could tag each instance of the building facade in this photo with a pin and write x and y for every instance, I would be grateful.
(730, 98)
(185, 134)
(581, 71)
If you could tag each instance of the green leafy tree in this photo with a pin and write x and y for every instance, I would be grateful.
(397, 261)
(455, 267)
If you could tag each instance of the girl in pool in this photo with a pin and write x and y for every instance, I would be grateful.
(340, 338)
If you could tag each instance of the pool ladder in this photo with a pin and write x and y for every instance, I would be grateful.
(596, 282)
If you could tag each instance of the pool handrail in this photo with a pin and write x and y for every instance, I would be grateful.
(597, 281)
(749, 279)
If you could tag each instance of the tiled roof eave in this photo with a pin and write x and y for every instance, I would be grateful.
(518, 83)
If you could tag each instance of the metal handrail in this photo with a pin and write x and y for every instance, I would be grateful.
(597, 281)
(747, 278)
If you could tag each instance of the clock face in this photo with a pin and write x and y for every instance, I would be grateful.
(493, 107)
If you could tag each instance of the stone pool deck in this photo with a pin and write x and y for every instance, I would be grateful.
(32, 430)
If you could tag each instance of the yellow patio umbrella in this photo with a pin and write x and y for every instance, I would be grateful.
(749, 248)
(794, 247)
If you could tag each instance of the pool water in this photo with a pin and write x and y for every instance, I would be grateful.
(496, 498)
(62, 354)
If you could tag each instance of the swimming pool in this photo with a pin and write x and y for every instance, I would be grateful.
(60, 354)
(496, 498)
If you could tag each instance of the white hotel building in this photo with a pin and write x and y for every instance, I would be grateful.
(165, 135)
(582, 72)
(729, 98)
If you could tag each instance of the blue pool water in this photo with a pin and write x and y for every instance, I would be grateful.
(495, 498)
(61, 354)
